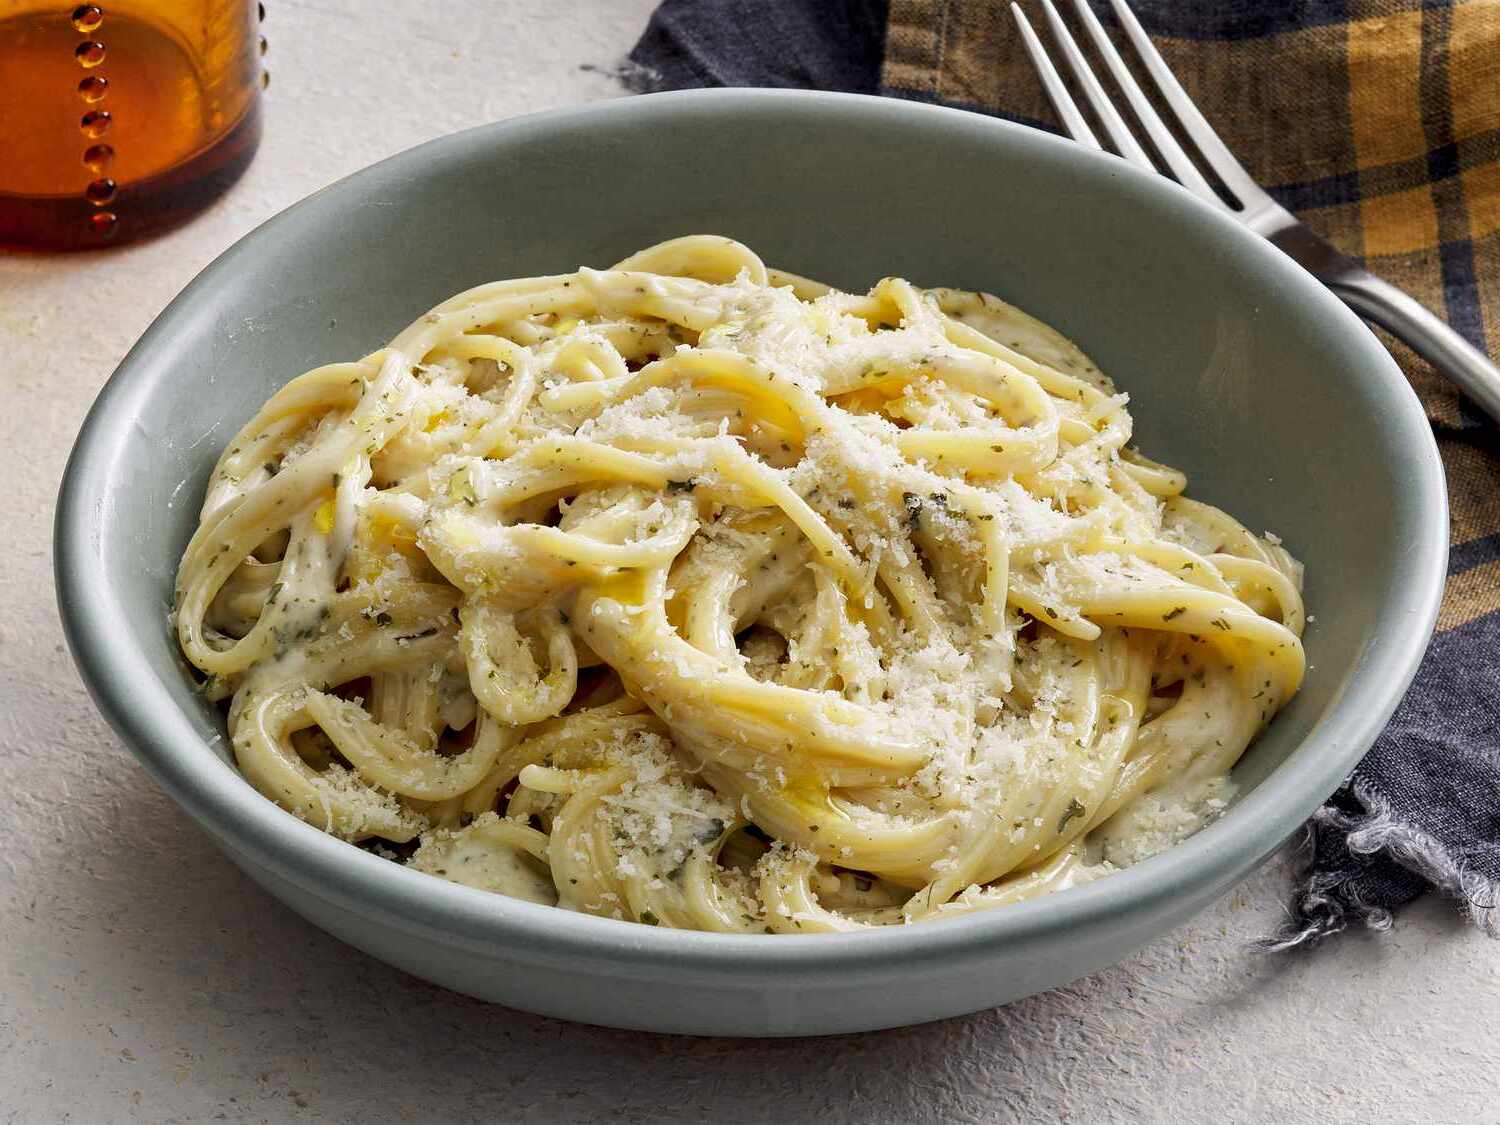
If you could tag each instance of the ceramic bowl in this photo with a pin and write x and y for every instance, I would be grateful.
(1278, 402)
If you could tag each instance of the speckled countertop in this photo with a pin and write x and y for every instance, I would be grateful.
(144, 979)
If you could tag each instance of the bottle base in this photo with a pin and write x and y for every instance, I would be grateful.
(137, 210)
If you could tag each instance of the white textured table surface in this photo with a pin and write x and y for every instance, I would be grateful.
(143, 979)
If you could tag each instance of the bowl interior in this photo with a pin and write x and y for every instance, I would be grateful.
(1282, 410)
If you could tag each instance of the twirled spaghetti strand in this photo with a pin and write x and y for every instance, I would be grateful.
(697, 594)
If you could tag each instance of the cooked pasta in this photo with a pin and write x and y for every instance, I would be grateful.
(697, 594)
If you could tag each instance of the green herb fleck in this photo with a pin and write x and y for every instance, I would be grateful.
(1073, 809)
(913, 504)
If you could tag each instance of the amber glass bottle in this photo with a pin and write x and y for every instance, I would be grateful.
(122, 118)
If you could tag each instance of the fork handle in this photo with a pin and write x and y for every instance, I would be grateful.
(1427, 335)
(1397, 312)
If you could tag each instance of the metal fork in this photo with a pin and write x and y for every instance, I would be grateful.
(1365, 293)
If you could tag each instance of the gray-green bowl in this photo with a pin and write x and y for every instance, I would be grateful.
(1281, 406)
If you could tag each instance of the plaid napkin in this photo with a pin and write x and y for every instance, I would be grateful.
(1378, 123)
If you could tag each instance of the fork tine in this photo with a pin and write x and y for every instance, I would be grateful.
(1114, 124)
(1062, 101)
(1214, 151)
(1181, 164)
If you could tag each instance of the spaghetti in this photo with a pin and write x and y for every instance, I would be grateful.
(697, 594)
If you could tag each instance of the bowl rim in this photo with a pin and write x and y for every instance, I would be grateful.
(140, 709)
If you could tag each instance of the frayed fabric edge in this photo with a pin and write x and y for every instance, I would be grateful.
(1319, 912)
(636, 78)
(1328, 905)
